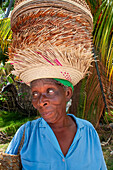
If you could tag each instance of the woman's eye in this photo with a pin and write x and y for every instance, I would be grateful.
(50, 91)
(34, 94)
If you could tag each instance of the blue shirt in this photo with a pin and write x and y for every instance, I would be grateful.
(41, 150)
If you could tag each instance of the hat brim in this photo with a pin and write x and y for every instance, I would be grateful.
(61, 72)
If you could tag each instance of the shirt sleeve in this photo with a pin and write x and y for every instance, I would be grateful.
(15, 142)
(103, 164)
(99, 150)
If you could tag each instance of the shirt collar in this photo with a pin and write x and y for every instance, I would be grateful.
(51, 137)
(77, 120)
(42, 123)
(79, 123)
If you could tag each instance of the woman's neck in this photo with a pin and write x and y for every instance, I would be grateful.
(63, 123)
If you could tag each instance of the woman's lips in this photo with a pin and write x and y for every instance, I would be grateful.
(46, 113)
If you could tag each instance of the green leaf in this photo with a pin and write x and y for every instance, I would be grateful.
(5, 33)
(10, 79)
(99, 11)
(101, 26)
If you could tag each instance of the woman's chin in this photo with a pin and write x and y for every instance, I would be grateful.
(48, 117)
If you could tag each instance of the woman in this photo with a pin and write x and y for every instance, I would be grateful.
(51, 52)
(57, 140)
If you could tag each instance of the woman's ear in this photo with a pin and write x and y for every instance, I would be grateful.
(69, 93)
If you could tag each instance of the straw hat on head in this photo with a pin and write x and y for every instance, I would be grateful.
(51, 39)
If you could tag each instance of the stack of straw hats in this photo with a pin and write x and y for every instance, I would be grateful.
(51, 39)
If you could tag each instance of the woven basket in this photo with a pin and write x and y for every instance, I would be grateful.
(57, 23)
(9, 162)
(12, 162)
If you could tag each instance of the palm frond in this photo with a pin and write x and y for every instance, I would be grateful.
(95, 106)
(103, 38)
(109, 60)
(82, 99)
(94, 5)
(103, 31)
(5, 33)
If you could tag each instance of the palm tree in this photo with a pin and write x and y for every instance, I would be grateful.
(99, 88)
(5, 31)
(96, 93)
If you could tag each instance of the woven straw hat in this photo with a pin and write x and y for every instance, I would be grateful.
(51, 39)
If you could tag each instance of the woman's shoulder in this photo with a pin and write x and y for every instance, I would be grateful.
(86, 128)
(32, 123)
(86, 123)
(82, 122)
(27, 125)
(13, 146)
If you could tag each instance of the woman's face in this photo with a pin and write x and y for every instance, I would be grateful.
(49, 99)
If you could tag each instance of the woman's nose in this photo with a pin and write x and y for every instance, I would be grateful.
(43, 101)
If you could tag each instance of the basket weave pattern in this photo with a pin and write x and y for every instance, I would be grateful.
(11, 162)
(53, 25)
(47, 25)
(81, 2)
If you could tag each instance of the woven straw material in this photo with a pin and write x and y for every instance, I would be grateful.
(81, 2)
(13, 162)
(52, 62)
(54, 33)
(9, 161)
(67, 4)
(50, 72)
